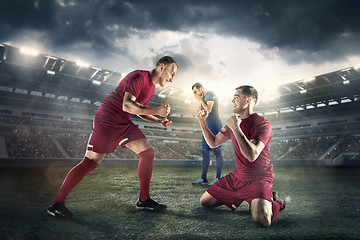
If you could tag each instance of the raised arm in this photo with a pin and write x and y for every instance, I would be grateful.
(207, 106)
(251, 149)
(212, 140)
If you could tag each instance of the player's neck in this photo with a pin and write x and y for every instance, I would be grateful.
(246, 113)
(155, 76)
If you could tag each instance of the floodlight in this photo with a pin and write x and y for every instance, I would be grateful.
(50, 72)
(357, 67)
(29, 51)
(95, 82)
(346, 82)
(309, 79)
(302, 91)
(82, 64)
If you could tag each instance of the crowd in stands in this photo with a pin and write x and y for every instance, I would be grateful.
(25, 140)
(23, 143)
(349, 144)
(308, 148)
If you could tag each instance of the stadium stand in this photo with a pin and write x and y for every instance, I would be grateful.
(47, 104)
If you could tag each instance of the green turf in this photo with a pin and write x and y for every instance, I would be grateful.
(323, 203)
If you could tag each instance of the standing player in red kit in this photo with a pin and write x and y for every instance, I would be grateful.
(112, 126)
(253, 177)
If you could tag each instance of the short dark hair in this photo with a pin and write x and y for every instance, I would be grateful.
(249, 91)
(197, 85)
(166, 60)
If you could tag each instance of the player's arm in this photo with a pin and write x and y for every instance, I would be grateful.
(133, 107)
(211, 139)
(251, 149)
(208, 106)
(165, 122)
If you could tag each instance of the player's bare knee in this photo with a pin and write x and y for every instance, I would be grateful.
(203, 202)
(262, 219)
(263, 222)
(261, 215)
(95, 157)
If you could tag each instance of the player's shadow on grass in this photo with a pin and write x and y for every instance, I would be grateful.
(98, 224)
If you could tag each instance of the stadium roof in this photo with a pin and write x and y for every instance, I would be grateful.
(27, 71)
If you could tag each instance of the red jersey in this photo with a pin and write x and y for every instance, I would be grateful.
(258, 128)
(139, 84)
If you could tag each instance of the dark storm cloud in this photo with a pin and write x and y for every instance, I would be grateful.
(303, 30)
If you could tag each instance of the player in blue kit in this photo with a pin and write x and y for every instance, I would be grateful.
(208, 102)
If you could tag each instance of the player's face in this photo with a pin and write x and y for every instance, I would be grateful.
(167, 75)
(197, 91)
(240, 101)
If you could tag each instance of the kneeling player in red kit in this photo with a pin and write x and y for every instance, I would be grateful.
(112, 126)
(253, 177)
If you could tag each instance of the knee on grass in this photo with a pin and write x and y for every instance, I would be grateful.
(207, 200)
(262, 220)
(204, 202)
(262, 216)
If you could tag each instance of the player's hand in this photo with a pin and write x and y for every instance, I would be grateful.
(166, 122)
(164, 110)
(202, 115)
(233, 122)
(198, 97)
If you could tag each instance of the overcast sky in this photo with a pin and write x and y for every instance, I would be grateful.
(222, 43)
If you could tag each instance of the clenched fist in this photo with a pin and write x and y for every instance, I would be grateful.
(166, 122)
(233, 122)
(202, 115)
(164, 110)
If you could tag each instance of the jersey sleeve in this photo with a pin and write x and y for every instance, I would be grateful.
(134, 84)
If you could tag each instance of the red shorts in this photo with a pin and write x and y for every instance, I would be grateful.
(232, 190)
(106, 135)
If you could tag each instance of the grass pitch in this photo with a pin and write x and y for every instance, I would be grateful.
(322, 203)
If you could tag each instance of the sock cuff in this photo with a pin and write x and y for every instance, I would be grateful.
(148, 152)
(89, 163)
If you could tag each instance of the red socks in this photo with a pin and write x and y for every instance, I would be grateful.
(275, 209)
(145, 172)
(74, 176)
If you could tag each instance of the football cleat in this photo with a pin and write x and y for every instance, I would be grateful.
(200, 181)
(59, 210)
(214, 181)
(150, 205)
(277, 198)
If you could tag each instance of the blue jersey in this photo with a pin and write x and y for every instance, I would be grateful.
(213, 120)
